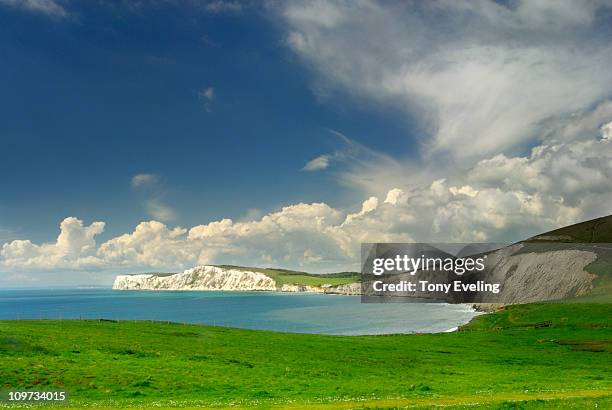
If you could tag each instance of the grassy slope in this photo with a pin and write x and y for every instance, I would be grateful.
(285, 276)
(497, 358)
(597, 230)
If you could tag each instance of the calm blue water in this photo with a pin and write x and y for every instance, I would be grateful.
(303, 313)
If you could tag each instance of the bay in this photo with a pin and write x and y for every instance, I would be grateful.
(284, 312)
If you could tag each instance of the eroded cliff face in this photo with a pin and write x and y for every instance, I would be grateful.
(532, 276)
(199, 278)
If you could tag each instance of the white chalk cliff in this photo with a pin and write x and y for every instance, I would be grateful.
(199, 278)
(209, 277)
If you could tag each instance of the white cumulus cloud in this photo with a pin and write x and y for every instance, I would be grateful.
(75, 248)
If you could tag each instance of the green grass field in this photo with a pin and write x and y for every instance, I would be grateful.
(525, 356)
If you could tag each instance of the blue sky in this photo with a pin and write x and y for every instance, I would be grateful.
(93, 99)
(166, 134)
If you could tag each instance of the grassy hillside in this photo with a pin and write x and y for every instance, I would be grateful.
(284, 276)
(546, 355)
(597, 230)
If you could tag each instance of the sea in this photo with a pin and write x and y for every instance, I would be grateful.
(283, 312)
